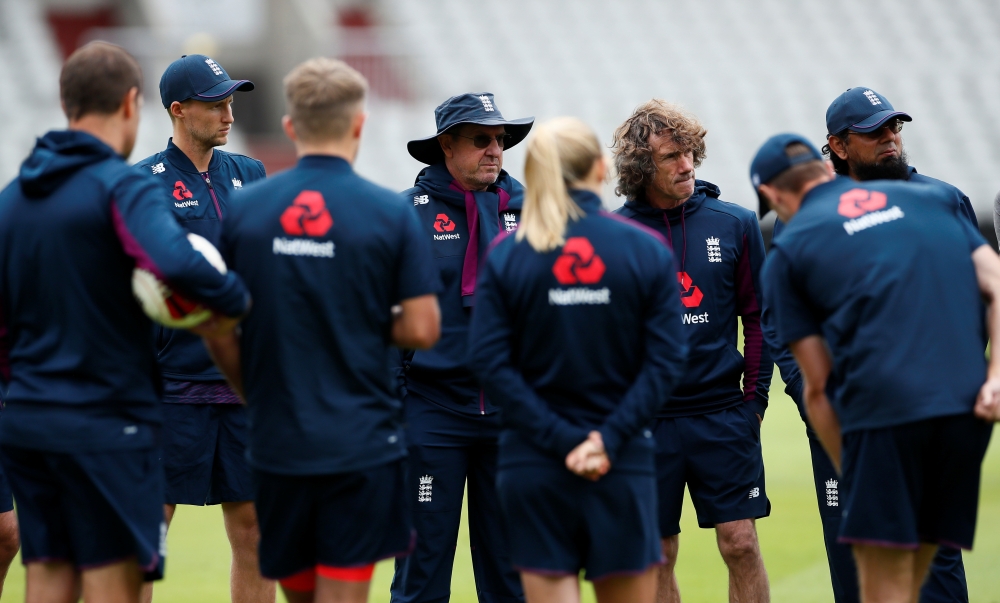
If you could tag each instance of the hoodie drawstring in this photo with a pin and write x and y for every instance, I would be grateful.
(684, 239)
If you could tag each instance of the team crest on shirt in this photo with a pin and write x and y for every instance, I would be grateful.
(714, 251)
(237, 184)
(425, 489)
(509, 222)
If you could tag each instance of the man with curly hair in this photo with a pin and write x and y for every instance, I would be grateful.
(708, 433)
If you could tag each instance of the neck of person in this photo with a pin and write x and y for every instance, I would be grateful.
(199, 154)
(105, 128)
(660, 201)
(346, 149)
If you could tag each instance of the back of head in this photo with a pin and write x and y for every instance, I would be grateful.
(632, 150)
(561, 153)
(96, 78)
(796, 177)
(323, 95)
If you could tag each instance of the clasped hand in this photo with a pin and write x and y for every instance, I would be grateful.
(589, 459)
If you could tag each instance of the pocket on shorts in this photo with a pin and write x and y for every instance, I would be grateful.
(751, 418)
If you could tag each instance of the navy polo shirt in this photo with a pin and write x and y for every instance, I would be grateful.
(586, 337)
(883, 271)
(326, 254)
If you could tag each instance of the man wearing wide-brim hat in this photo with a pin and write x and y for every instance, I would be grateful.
(464, 199)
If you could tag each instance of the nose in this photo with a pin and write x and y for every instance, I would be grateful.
(686, 164)
(494, 149)
(227, 115)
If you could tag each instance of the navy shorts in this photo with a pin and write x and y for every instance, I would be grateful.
(559, 523)
(89, 509)
(718, 455)
(913, 483)
(204, 454)
(341, 520)
(6, 497)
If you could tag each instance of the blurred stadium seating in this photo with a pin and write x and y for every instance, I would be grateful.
(747, 70)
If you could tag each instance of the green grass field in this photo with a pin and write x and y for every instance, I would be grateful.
(791, 539)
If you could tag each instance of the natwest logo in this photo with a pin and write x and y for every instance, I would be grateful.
(181, 192)
(442, 223)
(578, 263)
(858, 202)
(691, 296)
(307, 215)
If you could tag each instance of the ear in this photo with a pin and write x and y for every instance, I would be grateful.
(446, 141)
(771, 194)
(177, 110)
(358, 124)
(131, 104)
(289, 128)
(837, 146)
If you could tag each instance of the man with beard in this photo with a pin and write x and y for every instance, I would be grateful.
(864, 143)
(464, 199)
(204, 424)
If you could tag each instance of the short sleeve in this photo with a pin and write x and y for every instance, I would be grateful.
(794, 318)
(416, 272)
(972, 234)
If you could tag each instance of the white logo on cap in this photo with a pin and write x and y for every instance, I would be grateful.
(215, 66)
(756, 180)
(872, 97)
(487, 103)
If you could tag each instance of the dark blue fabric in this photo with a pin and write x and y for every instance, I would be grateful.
(316, 351)
(914, 483)
(560, 523)
(723, 285)
(89, 509)
(561, 368)
(83, 369)
(857, 290)
(198, 201)
(860, 109)
(718, 456)
(199, 77)
(443, 372)
(204, 454)
(340, 520)
(451, 452)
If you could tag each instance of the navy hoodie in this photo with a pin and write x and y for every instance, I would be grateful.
(199, 200)
(73, 225)
(586, 337)
(448, 214)
(783, 357)
(720, 252)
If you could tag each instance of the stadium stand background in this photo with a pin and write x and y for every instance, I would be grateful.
(746, 69)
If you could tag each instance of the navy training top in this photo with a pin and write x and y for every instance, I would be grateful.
(720, 251)
(459, 225)
(199, 200)
(326, 255)
(782, 356)
(73, 225)
(587, 337)
(882, 270)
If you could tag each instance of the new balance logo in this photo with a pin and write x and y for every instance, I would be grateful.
(832, 494)
(487, 103)
(215, 66)
(421, 200)
(158, 168)
(714, 251)
(754, 493)
(425, 490)
(237, 184)
(872, 97)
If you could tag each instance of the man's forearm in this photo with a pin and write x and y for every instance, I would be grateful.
(225, 352)
(824, 422)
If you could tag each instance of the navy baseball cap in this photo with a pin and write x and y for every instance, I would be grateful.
(195, 76)
(771, 159)
(473, 108)
(861, 110)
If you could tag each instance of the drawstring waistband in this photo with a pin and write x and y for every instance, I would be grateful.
(684, 241)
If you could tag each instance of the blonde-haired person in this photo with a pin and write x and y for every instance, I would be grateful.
(577, 336)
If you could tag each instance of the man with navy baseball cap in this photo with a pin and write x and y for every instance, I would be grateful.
(464, 199)
(205, 426)
(889, 404)
(864, 142)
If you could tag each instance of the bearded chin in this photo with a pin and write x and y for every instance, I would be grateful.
(893, 168)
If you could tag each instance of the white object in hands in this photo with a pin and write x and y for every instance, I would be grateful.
(162, 304)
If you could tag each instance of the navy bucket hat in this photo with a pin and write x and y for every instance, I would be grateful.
(861, 110)
(473, 108)
(197, 77)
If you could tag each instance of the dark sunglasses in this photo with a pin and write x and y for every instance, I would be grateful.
(894, 125)
(483, 140)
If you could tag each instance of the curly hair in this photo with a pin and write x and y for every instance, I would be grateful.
(632, 152)
(840, 166)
